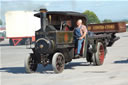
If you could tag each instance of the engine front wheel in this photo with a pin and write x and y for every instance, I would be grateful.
(58, 62)
(30, 64)
(98, 57)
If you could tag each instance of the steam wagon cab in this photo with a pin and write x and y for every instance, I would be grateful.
(55, 42)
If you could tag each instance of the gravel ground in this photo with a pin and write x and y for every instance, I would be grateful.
(114, 71)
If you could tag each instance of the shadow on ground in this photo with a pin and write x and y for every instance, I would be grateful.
(121, 61)
(14, 70)
(4, 45)
(46, 70)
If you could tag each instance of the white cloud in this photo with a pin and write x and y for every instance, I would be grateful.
(47, 4)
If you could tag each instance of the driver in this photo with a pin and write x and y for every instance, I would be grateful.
(68, 25)
(80, 32)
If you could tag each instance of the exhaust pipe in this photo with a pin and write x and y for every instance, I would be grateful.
(43, 17)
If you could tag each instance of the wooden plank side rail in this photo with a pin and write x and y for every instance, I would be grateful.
(114, 27)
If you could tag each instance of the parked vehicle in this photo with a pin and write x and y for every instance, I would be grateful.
(21, 27)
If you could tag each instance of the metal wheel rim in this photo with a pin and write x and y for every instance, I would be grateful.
(101, 54)
(60, 63)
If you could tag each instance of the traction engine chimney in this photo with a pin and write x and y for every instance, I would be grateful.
(43, 16)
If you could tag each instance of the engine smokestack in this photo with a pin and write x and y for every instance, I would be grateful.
(43, 16)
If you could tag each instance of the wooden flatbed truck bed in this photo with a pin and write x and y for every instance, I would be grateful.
(108, 29)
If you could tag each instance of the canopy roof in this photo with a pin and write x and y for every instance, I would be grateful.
(65, 13)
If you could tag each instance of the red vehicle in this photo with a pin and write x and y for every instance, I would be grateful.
(2, 33)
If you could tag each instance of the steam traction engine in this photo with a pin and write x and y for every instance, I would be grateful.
(54, 45)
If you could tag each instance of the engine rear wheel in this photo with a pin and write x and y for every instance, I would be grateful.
(58, 62)
(98, 57)
(30, 64)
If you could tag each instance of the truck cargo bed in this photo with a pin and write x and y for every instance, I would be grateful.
(114, 27)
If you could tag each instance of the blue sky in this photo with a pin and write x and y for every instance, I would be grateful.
(104, 9)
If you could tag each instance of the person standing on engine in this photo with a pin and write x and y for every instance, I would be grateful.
(80, 33)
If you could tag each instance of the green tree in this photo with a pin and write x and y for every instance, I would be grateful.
(124, 20)
(1, 22)
(107, 20)
(92, 18)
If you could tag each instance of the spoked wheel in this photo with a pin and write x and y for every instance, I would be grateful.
(30, 64)
(58, 62)
(98, 57)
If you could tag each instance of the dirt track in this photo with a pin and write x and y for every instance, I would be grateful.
(114, 71)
